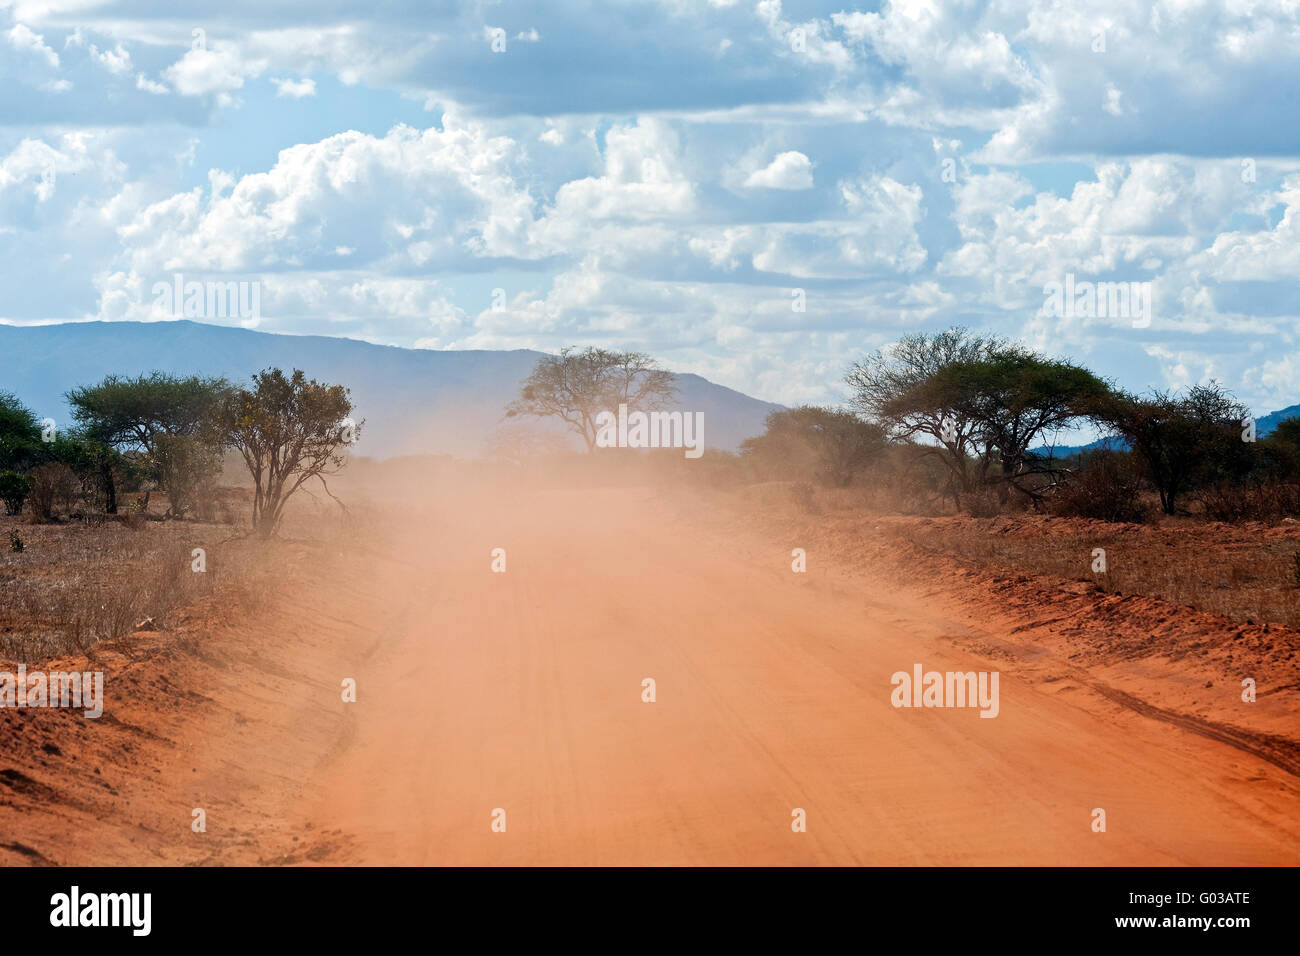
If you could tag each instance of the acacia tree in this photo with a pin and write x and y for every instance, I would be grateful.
(166, 420)
(1010, 400)
(289, 430)
(880, 382)
(20, 434)
(1183, 441)
(576, 386)
(825, 444)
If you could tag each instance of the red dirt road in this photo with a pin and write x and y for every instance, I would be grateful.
(523, 691)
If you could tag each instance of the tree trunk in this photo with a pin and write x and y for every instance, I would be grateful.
(110, 490)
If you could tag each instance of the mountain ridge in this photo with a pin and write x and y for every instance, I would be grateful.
(414, 401)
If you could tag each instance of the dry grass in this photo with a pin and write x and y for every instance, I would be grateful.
(1248, 572)
(1245, 574)
(80, 583)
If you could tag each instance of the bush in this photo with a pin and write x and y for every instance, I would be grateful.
(1265, 500)
(51, 482)
(984, 503)
(1106, 487)
(187, 468)
(14, 489)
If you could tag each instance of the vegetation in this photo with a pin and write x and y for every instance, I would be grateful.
(821, 444)
(14, 489)
(968, 419)
(289, 430)
(949, 416)
(166, 422)
(936, 423)
(881, 385)
(576, 386)
(1183, 441)
(170, 432)
(20, 434)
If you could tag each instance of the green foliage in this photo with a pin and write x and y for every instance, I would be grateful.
(169, 422)
(288, 429)
(1006, 402)
(132, 412)
(16, 541)
(20, 434)
(881, 383)
(1184, 441)
(14, 489)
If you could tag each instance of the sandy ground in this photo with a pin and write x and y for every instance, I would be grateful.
(522, 691)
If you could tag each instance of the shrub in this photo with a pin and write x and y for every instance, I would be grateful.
(1264, 500)
(1106, 487)
(984, 503)
(14, 489)
(51, 482)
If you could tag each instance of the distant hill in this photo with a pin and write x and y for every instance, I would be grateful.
(1065, 451)
(1266, 425)
(414, 401)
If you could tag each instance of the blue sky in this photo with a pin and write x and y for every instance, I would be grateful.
(663, 175)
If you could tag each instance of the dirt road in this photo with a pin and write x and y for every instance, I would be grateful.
(522, 692)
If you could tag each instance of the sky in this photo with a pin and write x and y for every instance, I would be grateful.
(758, 192)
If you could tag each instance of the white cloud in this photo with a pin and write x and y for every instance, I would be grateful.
(116, 60)
(23, 38)
(297, 89)
(1260, 255)
(664, 202)
(408, 199)
(879, 237)
(1112, 103)
(219, 69)
(789, 170)
(142, 82)
(643, 180)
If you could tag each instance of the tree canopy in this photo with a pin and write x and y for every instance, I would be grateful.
(576, 386)
(289, 430)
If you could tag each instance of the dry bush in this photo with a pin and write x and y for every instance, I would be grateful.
(1263, 501)
(983, 502)
(51, 483)
(1106, 488)
(105, 599)
(87, 582)
(133, 515)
